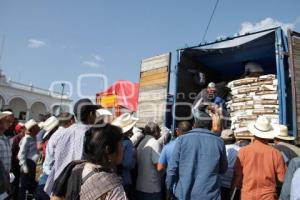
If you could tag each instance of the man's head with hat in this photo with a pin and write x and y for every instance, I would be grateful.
(32, 127)
(228, 136)
(66, 119)
(103, 116)
(10, 117)
(50, 126)
(85, 111)
(4, 121)
(211, 88)
(20, 128)
(253, 69)
(126, 122)
(262, 128)
(281, 134)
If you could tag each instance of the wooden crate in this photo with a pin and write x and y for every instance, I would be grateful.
(153, 91)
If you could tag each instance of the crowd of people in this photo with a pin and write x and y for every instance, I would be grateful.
(91, 155)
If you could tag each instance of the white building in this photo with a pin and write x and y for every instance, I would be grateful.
(28, 101)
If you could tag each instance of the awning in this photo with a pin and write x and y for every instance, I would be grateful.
(123, 93)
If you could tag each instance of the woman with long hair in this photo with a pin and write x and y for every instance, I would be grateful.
(94, 177)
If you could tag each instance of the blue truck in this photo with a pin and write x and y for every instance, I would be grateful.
(278, 53)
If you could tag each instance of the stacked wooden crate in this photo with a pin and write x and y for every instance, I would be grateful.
(153, 91)
(252, 97)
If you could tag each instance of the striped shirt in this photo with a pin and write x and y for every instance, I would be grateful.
(50, 150)
(101, 185)
(68, 148)
(5, 152)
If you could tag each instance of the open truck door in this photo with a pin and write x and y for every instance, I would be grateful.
(294, 61)
(154, 91)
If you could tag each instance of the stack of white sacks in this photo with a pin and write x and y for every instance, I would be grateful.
(252, 97)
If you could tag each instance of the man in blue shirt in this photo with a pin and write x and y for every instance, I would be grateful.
(167, 151)
(126, 122)
(286, 187)
(198, 159)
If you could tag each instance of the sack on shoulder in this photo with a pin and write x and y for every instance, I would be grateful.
(216, 123)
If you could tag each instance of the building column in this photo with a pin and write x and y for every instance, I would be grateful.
(28, 112)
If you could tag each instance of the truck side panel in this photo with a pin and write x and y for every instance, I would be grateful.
(294, 46)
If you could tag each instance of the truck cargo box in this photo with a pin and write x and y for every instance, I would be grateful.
(222, 60)
(225, 60)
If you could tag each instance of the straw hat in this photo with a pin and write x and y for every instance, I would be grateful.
(227, 134)
(41, 125)
(101, 113)
(29, 124)
(126, 121)
(262, 128)
(7, 112)
(4, 114)
(281, 132)
(49, 125)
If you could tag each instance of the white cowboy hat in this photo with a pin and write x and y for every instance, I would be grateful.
(227, 134)
(7, 112)
(101, 112)
(29, 124)
(125, 121)
(281, 132)
(41, 124)
(262, 128)
(51, 123)
(4, 114)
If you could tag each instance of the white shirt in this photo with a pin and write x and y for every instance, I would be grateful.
(295, 186)
(231, 151)
(148, 153)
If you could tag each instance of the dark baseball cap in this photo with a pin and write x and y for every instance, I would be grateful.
(83, 106)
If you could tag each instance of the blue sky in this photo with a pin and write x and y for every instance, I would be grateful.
(55, 40)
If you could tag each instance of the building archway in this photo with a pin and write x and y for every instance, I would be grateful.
(19, 107)
(37, 111)
(55, 109)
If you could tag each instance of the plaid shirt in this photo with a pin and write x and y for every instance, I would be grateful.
(5, 152)
(28, 150)
(68, 148)
(50, 150)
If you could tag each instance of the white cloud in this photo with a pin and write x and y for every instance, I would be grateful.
(33, 43)
(90, 64)
(220, 37)
(248, 27)
(98, 58)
